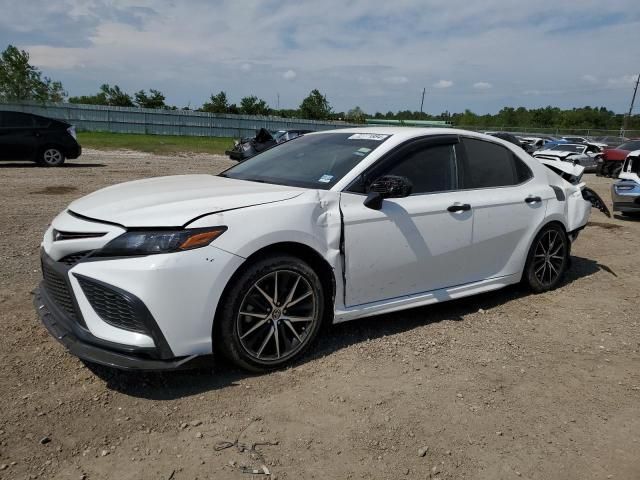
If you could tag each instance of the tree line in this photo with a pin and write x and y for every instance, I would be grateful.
(20, 81)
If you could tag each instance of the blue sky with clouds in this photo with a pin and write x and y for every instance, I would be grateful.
(372, 53)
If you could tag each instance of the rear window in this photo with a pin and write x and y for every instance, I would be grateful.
(492, 165)
(42, 121)
(17, 119)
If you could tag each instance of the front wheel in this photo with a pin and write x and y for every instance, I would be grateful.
(271, 315)
(51, 157)
(548, 259)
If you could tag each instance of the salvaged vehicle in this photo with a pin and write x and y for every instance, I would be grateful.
(586, 155)
(248, 147)
(625, 193)
(328, 227)
(612, 158)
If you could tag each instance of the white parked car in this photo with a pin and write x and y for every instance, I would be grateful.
(586, 155)
(328, 227)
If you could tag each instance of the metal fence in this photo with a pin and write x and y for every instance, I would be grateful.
(98, 118)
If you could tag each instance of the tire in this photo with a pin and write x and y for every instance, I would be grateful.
(543, 272)
(51, 157)
(260, 331)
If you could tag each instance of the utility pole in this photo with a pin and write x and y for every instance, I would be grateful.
(278, 103)
(633, 99)
(422, 102)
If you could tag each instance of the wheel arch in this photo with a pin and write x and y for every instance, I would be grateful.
(304, 252)
(548, 221)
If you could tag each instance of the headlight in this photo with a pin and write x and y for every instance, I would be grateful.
(149, 242)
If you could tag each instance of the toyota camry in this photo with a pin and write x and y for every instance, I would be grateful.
(328, 227)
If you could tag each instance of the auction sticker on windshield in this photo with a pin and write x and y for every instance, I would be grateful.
(368, 136)
(325, 178)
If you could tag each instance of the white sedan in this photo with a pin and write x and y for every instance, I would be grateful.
(329, 227)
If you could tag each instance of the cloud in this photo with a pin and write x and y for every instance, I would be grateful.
(443, 84)
(622, 81)
(399, 80)
(482, 86)
(417, 43)
(289, 75)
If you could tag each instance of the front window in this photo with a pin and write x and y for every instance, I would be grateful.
(312, 161)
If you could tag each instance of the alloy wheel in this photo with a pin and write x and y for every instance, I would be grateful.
(548, 257)
(52, 156)
(276, 316)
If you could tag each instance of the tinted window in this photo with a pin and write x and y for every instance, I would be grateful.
(17, 119)
(430, 169)
(491, 165)
(41, 121)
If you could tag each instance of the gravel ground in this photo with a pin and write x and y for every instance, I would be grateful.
(498, 386)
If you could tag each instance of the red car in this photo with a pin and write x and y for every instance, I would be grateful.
(612, 158)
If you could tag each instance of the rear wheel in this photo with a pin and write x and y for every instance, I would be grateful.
(51, 157)
(548, 259)
(271, 314)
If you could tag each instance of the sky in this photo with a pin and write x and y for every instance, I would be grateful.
(376, 54)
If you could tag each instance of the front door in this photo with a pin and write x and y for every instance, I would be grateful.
(413, 244)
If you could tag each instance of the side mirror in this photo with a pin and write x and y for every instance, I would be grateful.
(387, 186)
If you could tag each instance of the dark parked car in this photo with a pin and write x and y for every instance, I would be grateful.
(509, 137)
(248, 147)
(48, 142)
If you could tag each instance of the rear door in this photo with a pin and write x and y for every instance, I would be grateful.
(413, 244)
(508, 205)
(17, 136)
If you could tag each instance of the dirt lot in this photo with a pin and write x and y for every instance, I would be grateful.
(503, 385)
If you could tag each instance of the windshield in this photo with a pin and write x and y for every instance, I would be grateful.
(632, 145)
(569, 148)
(312, 161)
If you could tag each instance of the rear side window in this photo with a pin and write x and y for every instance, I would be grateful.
(430, 169)
(42, 122)
(17, 119)
(492, 165)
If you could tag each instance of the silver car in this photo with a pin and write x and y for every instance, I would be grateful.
(625, 193)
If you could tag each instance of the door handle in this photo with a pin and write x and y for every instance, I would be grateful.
(531, 199)
(460, 207)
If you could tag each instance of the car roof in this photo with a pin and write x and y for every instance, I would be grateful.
(407, 133)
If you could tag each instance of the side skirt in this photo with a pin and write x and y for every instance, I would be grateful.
(422, 299)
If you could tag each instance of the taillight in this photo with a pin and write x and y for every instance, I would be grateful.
(72, 131)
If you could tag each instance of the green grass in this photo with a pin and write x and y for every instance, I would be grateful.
(161, 144)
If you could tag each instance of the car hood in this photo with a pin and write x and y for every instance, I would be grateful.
(177, 200)
(553, 153)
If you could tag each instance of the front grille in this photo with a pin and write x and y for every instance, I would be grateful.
(71, 260)
(59, 290)
(112, 306)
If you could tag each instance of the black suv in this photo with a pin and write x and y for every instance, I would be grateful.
(24, 136)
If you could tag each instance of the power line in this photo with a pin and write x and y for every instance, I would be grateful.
(633, 99)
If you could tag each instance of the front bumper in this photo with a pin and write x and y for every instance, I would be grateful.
(627, 200)
(81, 343)
(58, 307)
